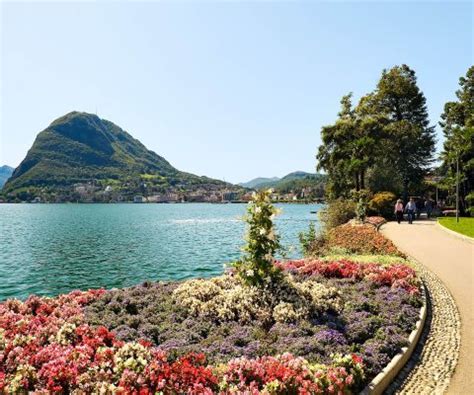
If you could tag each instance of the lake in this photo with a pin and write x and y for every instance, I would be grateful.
(47, 249)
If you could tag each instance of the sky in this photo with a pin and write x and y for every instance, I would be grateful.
(233, 90)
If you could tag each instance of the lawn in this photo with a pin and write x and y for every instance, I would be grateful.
(465, 226)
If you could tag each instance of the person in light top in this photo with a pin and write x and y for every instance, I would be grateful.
(410, 208)
(399, 210)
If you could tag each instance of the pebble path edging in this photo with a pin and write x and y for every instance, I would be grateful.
(431, 366)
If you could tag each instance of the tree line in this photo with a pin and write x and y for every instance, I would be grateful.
(386, 143)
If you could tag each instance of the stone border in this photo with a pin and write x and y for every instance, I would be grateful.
(380, 382)
(454, 233)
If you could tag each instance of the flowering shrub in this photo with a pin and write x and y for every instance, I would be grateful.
(297, 335)
(394, 275)
(44, 348)
(382, 204)
(286, 374)
(364, 307)
(361, 239)
(225, 298)
(256, 267)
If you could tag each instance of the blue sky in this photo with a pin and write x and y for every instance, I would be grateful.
(231, 90)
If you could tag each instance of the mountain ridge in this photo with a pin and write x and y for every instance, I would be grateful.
(298, 182)
(81, 148)
(5, 173)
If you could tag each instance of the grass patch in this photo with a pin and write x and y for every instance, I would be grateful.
(465, 225)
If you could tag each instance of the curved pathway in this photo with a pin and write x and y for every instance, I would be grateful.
(452, 260)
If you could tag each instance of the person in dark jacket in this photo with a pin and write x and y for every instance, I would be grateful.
(410, 209)
(428, 207)
(419, 207)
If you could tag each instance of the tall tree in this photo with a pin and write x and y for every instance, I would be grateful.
(408, 140)
(389, 128)
(457, 122)
(332, 154)
(348, 149)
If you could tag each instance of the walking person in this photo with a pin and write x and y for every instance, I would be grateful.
(399, 210)
(410, 208)
(419, 207)
(428, 207)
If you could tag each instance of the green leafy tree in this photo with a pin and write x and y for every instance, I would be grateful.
(457, 122)
(347, 150)
(256, 267)
(408, 141)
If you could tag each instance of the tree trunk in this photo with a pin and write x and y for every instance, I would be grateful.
(362, 179)
(357, 181)
(405, 190)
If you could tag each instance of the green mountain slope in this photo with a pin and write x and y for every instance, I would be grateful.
(5, 174)
(81, 148)
(258, 181)
(312, 184)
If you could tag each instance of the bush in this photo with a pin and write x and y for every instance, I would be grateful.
(308, 239)
(382, 204)
(256, 266)
(361, 198)
(361, 239)
(337, 212)
(470, 202)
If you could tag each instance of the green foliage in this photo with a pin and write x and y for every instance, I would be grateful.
(82, 148)
(337, 212)
(382, 204)
(307, 239)
(347, 150)
(457, 122)
(313, 243)
(470, 202)
(256, 267)
(361, 198)
(388, 127)
(295, 182)
(408, 140)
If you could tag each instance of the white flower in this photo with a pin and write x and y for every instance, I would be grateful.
(271, 235)
(249, 273)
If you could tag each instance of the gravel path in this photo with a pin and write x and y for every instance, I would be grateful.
(447, 268)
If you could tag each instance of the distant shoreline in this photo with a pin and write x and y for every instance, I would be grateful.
(165, 203)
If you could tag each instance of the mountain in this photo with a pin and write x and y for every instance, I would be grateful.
(258, 181)
(82, 157)
(294, 182)
(5, 174)
(275, 182)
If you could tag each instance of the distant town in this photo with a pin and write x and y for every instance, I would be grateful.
(94, 193)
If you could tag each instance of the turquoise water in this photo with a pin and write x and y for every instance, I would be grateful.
(48, 249)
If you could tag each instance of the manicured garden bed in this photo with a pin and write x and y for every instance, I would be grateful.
(330, 325)
(325, 325)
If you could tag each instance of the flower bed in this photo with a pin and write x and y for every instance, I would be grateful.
(361, 239)
(330, 326)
